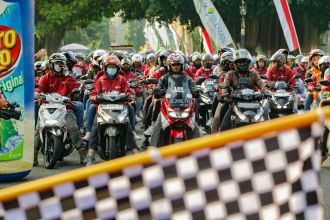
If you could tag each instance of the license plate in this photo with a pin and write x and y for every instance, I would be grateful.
(248, 105)
(112, 107)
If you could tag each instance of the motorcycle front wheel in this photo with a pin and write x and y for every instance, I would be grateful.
(112, 145)
(52, 151)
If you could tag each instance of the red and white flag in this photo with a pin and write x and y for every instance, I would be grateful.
(287, 24)
(207, 42)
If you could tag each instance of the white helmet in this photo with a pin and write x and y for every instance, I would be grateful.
(98, 53)
(137, 58)
(324, 59)
(304, 59)
(196, 56)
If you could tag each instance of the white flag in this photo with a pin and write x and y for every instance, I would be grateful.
(213, 23)
(151, 36)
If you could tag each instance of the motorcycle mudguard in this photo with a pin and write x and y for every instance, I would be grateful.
(54, 131)
(112, 131)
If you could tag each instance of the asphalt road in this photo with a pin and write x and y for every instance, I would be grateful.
(72, 162)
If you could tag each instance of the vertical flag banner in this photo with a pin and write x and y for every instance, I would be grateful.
(151, 36)
(213, 23)
(289, 30)
(175, 37)
(262, 171)
(207, 41)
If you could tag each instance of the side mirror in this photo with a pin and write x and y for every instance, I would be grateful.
(297, 76)
(214, 76)
(324, 82)
(153, 80)
(263, 76)
(308, 80)
(88, 81)
(200, 80)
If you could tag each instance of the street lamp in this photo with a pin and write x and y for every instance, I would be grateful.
(243, 13)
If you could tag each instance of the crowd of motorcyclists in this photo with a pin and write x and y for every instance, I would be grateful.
(176, 97)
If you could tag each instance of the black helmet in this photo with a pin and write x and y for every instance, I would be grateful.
(57, 57)
(242, 60)
(71, 58)
(278, 57)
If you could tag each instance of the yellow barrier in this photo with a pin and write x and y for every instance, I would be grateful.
(180, 149)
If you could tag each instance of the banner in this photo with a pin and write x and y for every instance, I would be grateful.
(161, 29)
(213, 23)
(151, 36)
(262, 171)
(289, 30)
(206, 41)
(175, 37)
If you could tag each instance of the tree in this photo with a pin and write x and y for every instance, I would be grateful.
(55, 18)
(311, 18)
(94, 36)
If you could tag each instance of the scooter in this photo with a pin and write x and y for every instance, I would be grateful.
(112, 122)
(54, 136)
(247, 107)
(177, 113)
(282, 101)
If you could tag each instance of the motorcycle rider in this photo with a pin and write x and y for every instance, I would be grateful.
(95, 67)
(196, 65)
(111, 80)
(162, 66)
(302, 68)
(324, 64)
(278, 71)
(221, 107)
(78, 107)
(291, 62)
(240, 78)
(207, 69)
(151, 65)
(261, 65)
(137, 66)
(125, 68)
(58, 81)
(175, 66)
(313, 73)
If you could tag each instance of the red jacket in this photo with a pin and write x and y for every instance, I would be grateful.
(105, 84)
(62, 85)
(283, 74)
(191, 71)
(301, 70)
(202, 72)
(262, 71)
(161, 71)
(130, 75)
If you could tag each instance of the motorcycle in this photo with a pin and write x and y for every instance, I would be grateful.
(54, 137)
(314, 91)
(281, 102)
(247, 107)
(177, 112)
(206, 99)
(112, 122)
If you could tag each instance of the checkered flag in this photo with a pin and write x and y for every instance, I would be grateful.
(270, 177)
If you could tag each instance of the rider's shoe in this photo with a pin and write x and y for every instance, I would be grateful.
(90, 160)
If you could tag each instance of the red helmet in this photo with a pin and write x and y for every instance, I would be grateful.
(175, 58)
(112, 59)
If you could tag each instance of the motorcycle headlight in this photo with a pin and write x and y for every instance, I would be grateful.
(259, 115)
(122, 115)
(180, 115)
(50, 122)
(239, 114)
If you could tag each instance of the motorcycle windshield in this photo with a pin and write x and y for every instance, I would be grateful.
(178, 92)
(280, 85)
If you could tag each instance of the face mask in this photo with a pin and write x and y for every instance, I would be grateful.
(125, 69)
(208, 65)
(57, 68)
(111, 72)
(197, 65)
